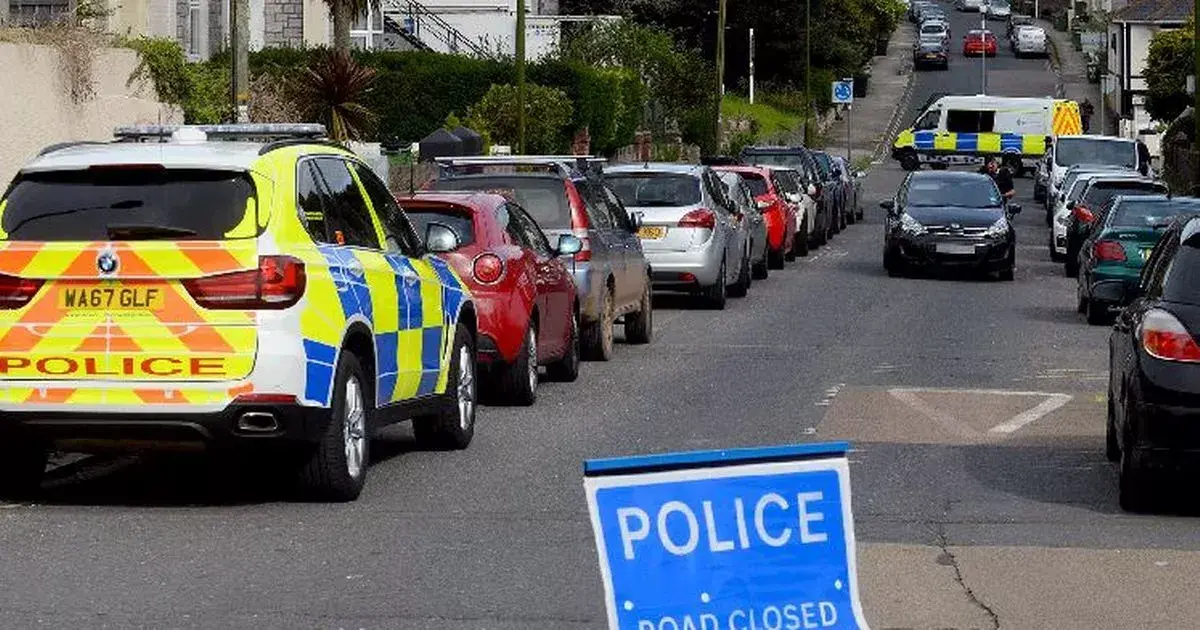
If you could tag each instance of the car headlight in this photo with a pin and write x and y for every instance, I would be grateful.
(999, 228)
(911, 225)
(1062, 218)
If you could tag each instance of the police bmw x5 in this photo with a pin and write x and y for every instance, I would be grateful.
(250, 284)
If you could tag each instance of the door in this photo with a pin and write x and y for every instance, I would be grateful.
(617, 234)
(727, 225)
(555, 288)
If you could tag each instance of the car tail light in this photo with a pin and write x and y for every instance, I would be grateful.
(1082, 213)
(278, 283)
(488, 268)
(1109, 251)
(699, 218)
(1164, 337)
(17, 292)
(584, 254)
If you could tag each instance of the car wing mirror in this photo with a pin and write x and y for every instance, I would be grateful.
(569, 244)
(635, 220)
(1014, 208)
(811, 190)
(1070, 205)
(440, 239)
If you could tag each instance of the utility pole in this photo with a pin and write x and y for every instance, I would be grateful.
(239, 40)
(751, 66)
(520, 54)
(720, 68)
(983, 47)
(808, 102)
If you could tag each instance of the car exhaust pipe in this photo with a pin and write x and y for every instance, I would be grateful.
(257, 422)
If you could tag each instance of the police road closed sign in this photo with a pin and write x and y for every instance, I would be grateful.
(745, 539)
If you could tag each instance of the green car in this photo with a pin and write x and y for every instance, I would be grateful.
(1112, 255)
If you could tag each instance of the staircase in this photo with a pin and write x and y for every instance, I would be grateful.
(428, 30)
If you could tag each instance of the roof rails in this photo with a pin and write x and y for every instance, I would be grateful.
(564, 165)
(268, 132)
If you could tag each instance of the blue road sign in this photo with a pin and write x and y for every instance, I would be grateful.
(843, 91)
(746, 539)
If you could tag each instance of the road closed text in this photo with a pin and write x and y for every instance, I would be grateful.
(61, 367)
(791, 616)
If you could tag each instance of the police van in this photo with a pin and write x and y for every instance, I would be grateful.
(968, 129)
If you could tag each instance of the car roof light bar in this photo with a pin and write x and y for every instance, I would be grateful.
(233, 132)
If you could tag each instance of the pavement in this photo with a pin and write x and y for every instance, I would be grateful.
(982, 498)
(1071, 68)
(871, 123)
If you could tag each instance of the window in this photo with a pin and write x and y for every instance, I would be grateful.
(347, 214)
(196, 30)
(654, 189)
(533, 234)
(1155, 273)
(597, 208)
(396, 226)
(756, 184)
(964, 121)
(543, 197)
(616, 209)
(928, 120)
(310, 201)
(459, 221)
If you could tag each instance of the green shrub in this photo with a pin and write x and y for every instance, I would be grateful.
(208, 101)
(547, 110)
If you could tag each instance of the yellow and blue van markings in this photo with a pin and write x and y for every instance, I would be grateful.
(976, 142)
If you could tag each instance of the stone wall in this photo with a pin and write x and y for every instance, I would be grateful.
(41, 112)
(284, 24)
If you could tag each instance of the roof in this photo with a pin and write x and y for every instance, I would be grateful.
(231, 156)
(471, 199)
(656, 167)
(949, 175)
(1155, 11)
(749, 170)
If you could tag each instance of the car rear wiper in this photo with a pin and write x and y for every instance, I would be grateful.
(134, 232)
(124, 204)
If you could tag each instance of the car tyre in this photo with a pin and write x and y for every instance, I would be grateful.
(909, 161)
(715, 296)
(1097, 314)
(336, 469)
(893, 266)
(775, 259)
(1008, 274)
(842, 221)
(742, 287)
(519, 380)
(762, 268)
(22, 467)
(598, 335)
(800, 246)
(639, 326)
(566, 369)
(453, 427)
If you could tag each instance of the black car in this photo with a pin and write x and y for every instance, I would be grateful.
(829, 194)
(931, 55)
(807, 163)
(950, 219)
(1154, 369)
(1087, 212)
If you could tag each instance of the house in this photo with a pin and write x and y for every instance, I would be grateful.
(480, 28)
(1129, 34)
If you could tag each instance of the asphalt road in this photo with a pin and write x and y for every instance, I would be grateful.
(958, 525)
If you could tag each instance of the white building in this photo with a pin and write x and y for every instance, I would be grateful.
(1129, 34)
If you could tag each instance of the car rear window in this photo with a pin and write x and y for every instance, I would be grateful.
(1182, 282)
(824, 165)
(791, 159)
(544, 198)
(1101, 193)
(130, 204)
(1141, 214)
(458, 220)
(654, 189)
(755, 182)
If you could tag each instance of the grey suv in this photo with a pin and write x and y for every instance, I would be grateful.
(569, 196)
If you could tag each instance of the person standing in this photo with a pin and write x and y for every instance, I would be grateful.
(1001, 176)
(1086, 110)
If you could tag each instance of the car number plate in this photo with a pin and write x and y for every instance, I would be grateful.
(955, 248)
(652, 232)
(111, 298)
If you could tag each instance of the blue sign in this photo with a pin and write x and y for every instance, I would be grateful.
(746, 539)
(843, 91)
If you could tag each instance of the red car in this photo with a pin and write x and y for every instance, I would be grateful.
(778, 213)
(524, 295)
(977, 42)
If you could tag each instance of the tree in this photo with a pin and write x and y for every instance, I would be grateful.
(1168, 65)
(548, 111)
(343, 13)
(333, 90)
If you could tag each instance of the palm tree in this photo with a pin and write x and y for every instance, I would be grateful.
(343, 13)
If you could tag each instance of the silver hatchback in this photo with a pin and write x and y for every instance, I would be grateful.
(690, 234)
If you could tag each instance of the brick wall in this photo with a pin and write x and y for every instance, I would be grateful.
(284, 23)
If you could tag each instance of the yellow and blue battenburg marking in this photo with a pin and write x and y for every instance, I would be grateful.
(991, 143)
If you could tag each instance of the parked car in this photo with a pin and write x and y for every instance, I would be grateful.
(949, 219)
(526, 307)
(1015, 21)
(804, 162)
(1111, 258)
(611, 273)
(743, 199)
(1154, 372)
(978, 43)
(931, 53)
(793, 185)
(1085, 213)
(829, 192)
(1029, 41)
(1067, 151)
(972, 6)
(778, 216)
(850, 185)
(692, 237)
(935, 29)
(998, 9)
(914, 9)
(1073, 185)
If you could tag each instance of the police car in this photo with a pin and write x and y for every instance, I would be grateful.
(215, 285)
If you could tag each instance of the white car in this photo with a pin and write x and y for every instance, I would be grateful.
(1074, 184)
(972, 6)
(998, 9)
(1100, 151)
(935, 28)
(1029, 40)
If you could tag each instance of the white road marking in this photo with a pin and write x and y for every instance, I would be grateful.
(830, 394)
(1051, 404)
(947, 421)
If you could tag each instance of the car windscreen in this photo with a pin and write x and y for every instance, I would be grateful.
(648, 190)
(965, 193)
(103, 204)
(756, 183)
(932, 29)
(931, 46)
(544, 198)
(457, 219)
(1095, 151)
(1100, 193)
(792, 159)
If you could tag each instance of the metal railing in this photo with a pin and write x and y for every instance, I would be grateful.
(422, 23)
